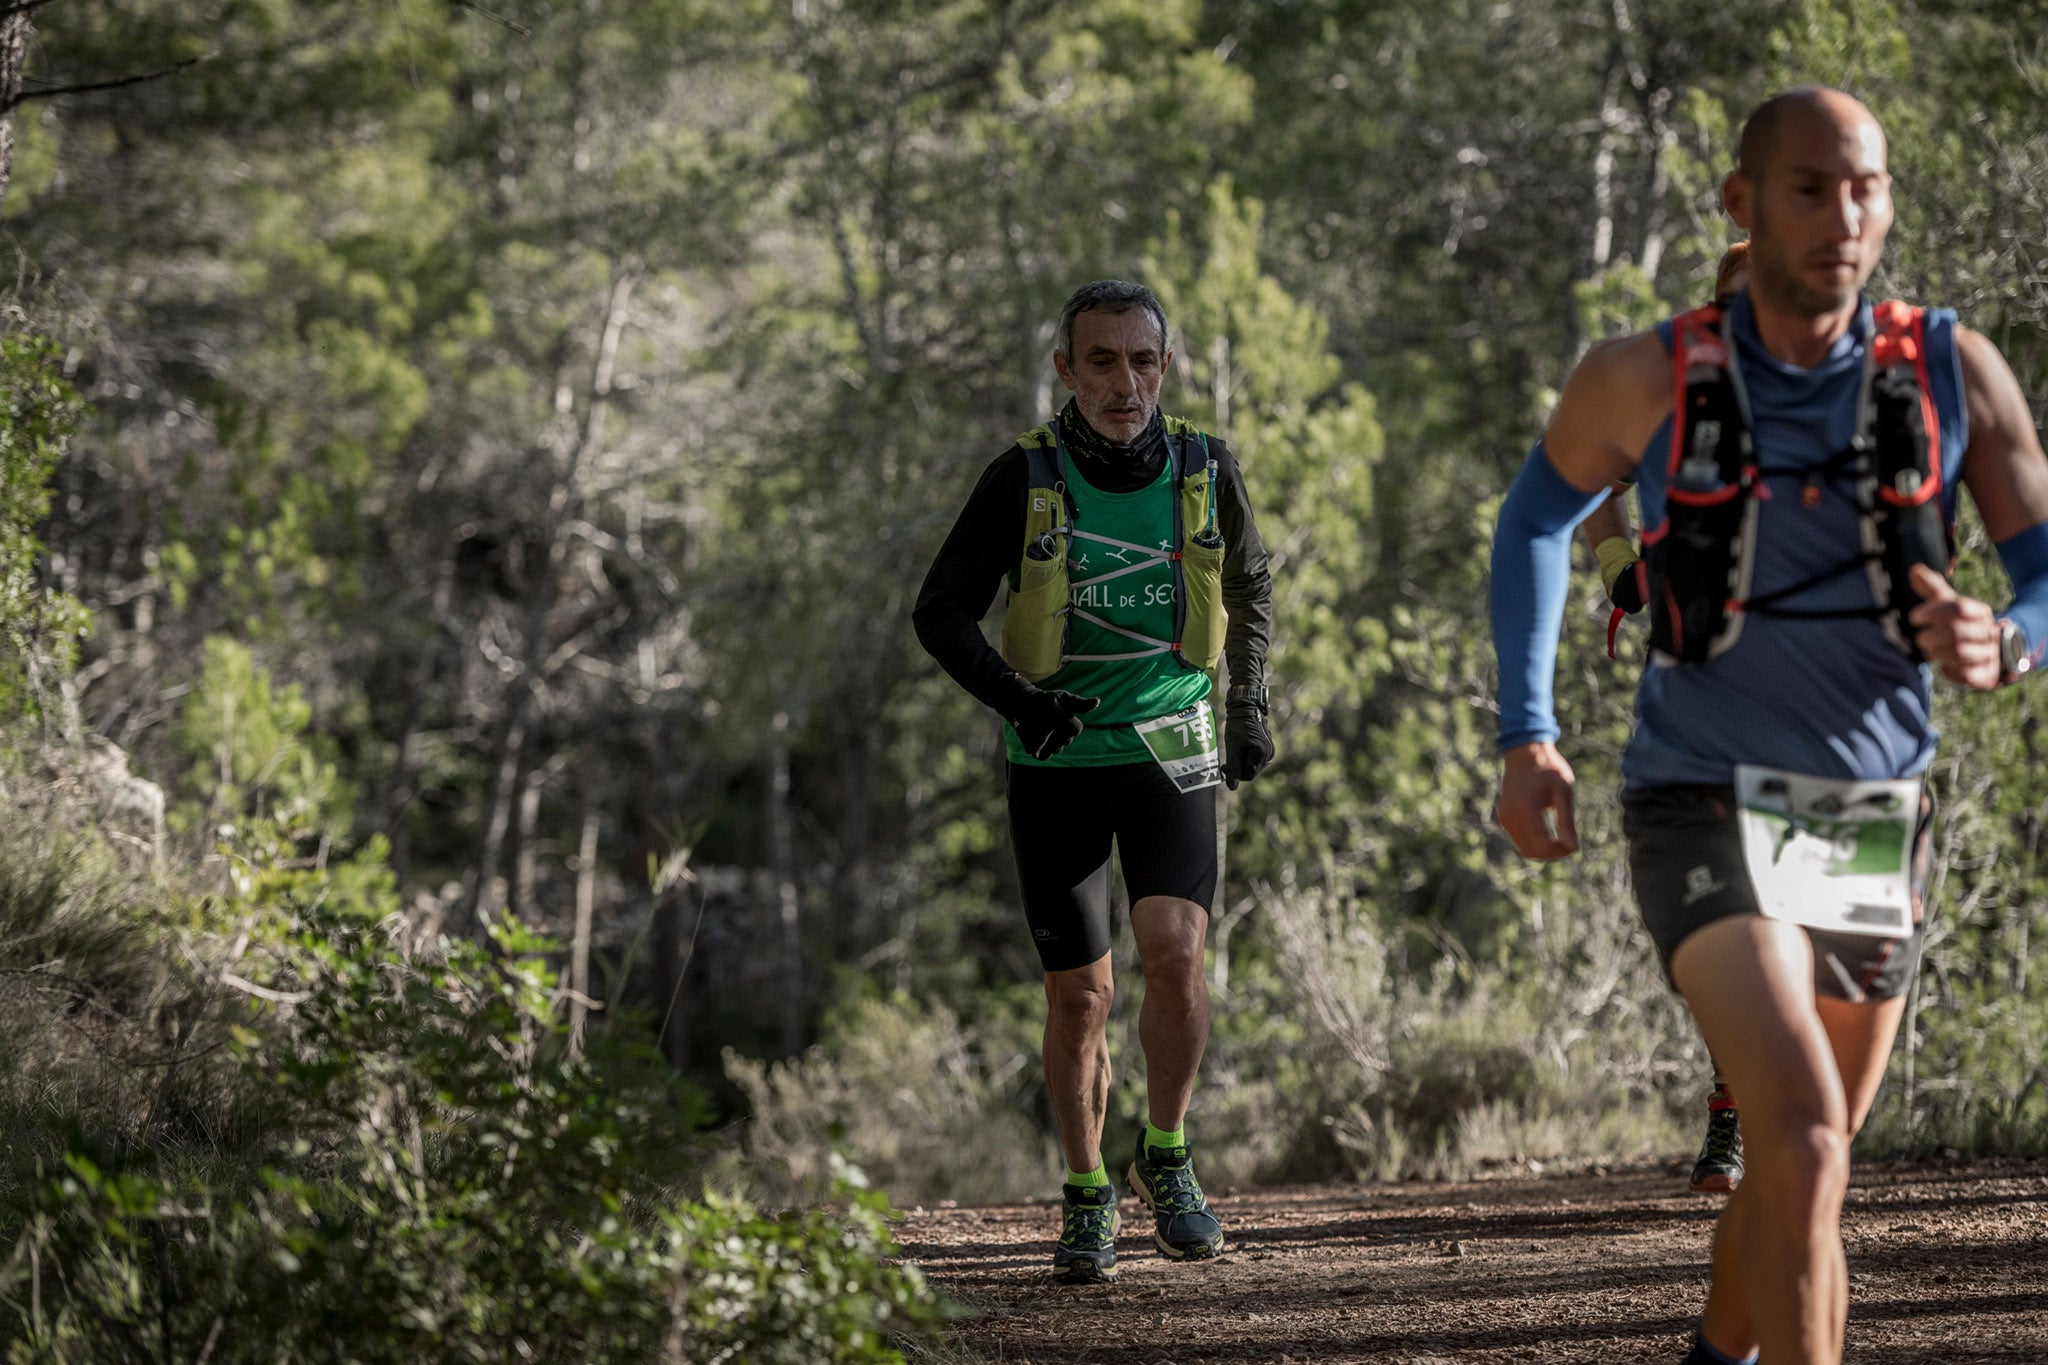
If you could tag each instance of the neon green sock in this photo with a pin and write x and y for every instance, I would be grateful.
(1089, 1180)
(1159, 1137)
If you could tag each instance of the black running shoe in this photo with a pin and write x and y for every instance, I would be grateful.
(1086, 1253)
(1164, 1177)
(1719, 1169)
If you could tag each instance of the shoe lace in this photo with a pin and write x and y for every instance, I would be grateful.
(1724, 1139)
(1174, 1188)
(1085, 1223)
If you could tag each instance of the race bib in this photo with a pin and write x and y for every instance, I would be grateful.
(1184, 744)
(1830, 854)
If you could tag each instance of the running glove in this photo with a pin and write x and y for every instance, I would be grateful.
(1048, 721)
(1247, 748)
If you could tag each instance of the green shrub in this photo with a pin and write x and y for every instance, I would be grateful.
(263, 1124)
(929, 1108)
(451, 1186)
(39, 629)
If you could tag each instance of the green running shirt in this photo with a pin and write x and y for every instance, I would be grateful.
(1132, 690)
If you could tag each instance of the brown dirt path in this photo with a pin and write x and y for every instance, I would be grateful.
(1947, 1264)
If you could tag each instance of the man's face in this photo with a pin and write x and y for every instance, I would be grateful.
(1118, 364)
(1819, 212)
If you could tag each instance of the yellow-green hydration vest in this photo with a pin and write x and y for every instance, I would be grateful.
(1118, 596)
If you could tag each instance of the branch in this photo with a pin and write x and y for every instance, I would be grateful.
(51, 92)
(14, 7)
(264, 992)
(470, 5)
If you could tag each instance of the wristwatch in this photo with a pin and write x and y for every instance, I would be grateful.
(2013, 658)
(1253, 693)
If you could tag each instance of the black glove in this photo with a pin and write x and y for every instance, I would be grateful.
(1048, 721)
(1247, 748)
(1621, 573)
(1628, 591)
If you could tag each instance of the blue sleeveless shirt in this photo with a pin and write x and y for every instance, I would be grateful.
(1829, 697)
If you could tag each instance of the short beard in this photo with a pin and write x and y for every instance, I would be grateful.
(1790, 292)
(1120, 438)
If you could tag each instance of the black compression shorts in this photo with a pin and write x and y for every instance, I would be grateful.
(1685, 855)
(1061, 823)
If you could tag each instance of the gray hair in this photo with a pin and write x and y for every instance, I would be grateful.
(1112, 296)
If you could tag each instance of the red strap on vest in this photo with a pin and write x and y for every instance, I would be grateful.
(1695, 340)
(1901, 339)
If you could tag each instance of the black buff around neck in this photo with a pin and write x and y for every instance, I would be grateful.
(1111, 467)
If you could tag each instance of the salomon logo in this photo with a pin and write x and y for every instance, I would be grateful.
(1700, 883)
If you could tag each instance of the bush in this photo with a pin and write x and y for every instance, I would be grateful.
(929, 1110)
(39, 629)
(262, 1125)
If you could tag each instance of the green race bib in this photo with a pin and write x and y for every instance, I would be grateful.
(1830, 854)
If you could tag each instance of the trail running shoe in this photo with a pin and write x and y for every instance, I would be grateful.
(1184, 1228)
(1719, 1169)
(1086, 1253)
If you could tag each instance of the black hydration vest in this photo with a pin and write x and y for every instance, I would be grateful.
(1699, 560)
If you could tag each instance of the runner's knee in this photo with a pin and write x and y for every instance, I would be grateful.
(1079, 999)
(1811, 1157)
(1174, 970)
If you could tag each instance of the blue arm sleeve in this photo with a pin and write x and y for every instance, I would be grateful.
(2025, 557)
(1532, 561)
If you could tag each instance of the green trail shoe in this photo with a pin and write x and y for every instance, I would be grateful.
(1164, 1177)
(1719, 1169)
(1086, 1253)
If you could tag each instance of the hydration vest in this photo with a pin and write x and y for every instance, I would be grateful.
(1040, 605)
(1699, 560)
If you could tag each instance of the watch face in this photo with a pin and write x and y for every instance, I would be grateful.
(2012, 649)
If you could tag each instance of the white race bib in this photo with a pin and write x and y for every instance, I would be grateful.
(1830, 854)
(1184, 744)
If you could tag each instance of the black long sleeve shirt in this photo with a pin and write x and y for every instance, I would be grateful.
(987, 539)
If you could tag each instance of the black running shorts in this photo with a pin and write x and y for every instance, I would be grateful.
(1062, 821)
(1685, 855)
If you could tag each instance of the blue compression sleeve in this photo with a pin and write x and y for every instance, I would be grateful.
(2025, 557)
(1532, 563)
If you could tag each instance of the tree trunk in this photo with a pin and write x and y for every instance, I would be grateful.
(782, 868)
(854, 932)
(671, 1025)
(542, 655)
(579, 951)
(511, 749)
(14, 35)
(525, 869)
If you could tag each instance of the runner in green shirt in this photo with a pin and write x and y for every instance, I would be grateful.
(1127, 546)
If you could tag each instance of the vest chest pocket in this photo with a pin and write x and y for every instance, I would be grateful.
(1201, 640)
(1034, 621)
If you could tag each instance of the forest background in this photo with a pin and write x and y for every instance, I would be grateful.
(491, 451)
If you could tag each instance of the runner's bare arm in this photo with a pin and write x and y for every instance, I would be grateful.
(1610, 409)
(2004, 469)
(1605, 521)
(2007, 476)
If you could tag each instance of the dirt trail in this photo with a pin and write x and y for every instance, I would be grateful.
(1946, 1263)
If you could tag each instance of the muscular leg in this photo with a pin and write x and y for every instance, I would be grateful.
(1077, 1058)
(1173, 1024)
(1807, 1070)
(1777, 1252)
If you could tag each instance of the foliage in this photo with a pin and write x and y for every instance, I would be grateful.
(449, 1186)
(39, 629)
(924, 1108)
(514, 421)
(299, 1133)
